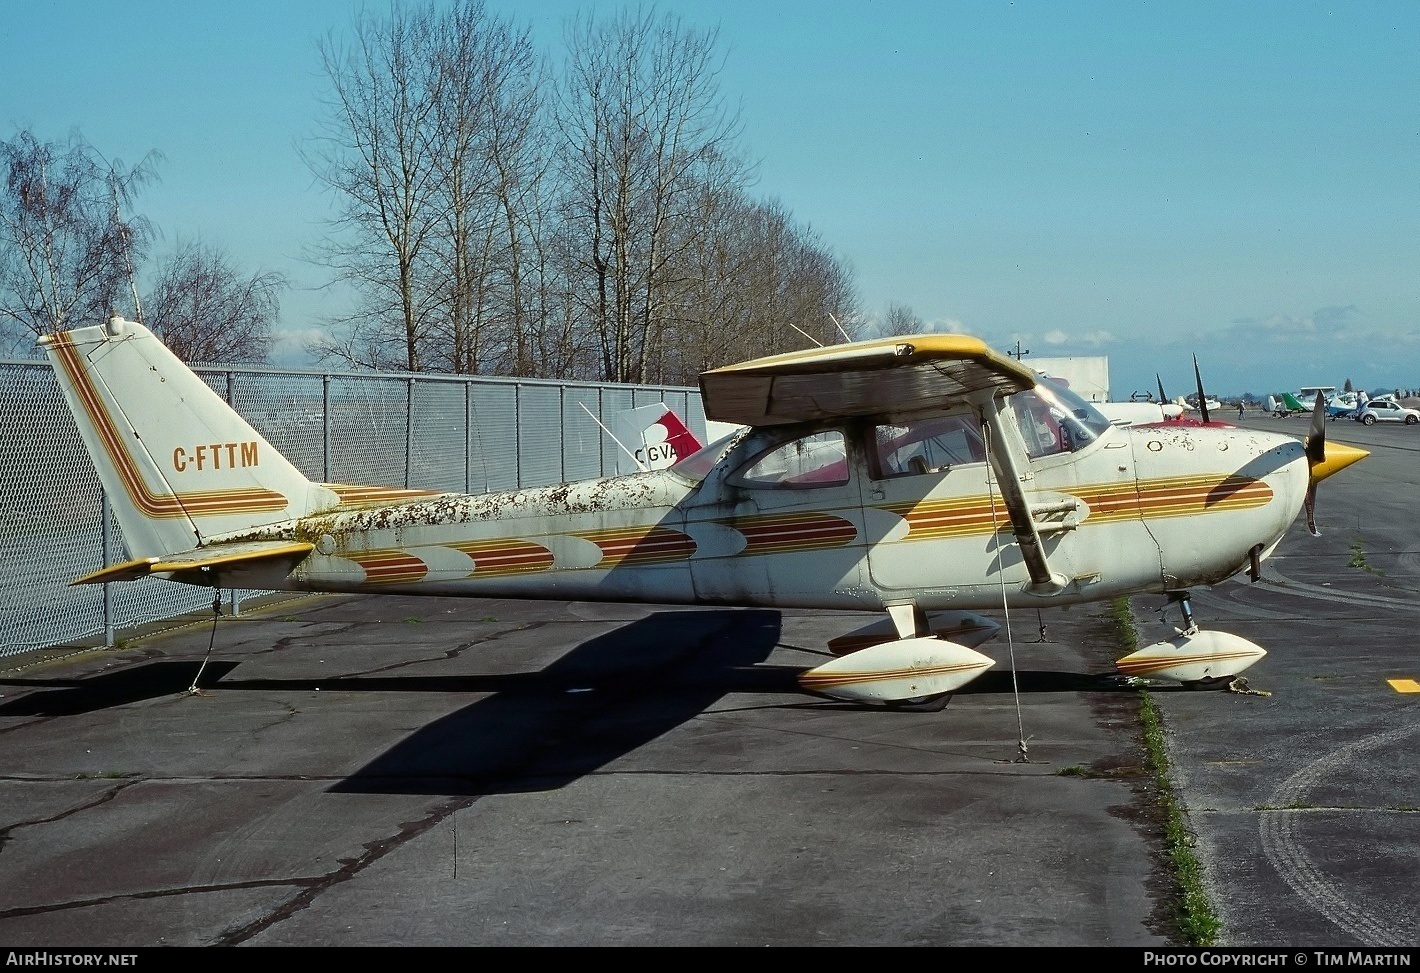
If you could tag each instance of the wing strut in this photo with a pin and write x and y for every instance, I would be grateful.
(1043, 581)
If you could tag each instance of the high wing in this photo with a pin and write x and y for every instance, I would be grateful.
(880, 377)
(888, 377)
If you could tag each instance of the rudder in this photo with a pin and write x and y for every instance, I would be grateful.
(179, 464)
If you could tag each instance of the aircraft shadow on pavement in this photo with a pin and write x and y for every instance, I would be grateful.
(998, 681)
(600, 701)
(540, 730)
(72, 697)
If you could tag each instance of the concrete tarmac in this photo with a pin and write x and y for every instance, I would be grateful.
(471, 772)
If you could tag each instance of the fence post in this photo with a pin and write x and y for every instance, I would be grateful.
(408, 428)
(518, 433)
(232, 593)
(325, 427)
(108, 557)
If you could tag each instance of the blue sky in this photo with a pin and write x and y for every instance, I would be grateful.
(1139, 180)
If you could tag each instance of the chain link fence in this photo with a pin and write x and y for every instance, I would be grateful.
(454, 433)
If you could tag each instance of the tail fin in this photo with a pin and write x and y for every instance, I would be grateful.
(180, 465)
(653, 436)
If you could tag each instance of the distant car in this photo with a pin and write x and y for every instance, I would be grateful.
(1378, 410)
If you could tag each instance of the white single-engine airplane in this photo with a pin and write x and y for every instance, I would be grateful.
(924, 476)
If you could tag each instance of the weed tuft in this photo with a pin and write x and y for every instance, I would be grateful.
(1196, 916)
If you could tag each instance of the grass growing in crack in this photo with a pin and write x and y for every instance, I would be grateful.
(1358, 558)
(1196, 917)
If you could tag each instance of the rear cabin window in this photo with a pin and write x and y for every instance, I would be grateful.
(811, 461)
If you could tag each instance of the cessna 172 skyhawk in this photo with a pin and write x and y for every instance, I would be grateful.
(909, 475)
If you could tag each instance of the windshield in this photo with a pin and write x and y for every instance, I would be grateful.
(1053, 419)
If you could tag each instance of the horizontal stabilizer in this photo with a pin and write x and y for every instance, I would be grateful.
(216, 556)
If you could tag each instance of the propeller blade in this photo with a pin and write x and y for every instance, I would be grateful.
(1321, 461)
(1316, 438)
(1202, 399)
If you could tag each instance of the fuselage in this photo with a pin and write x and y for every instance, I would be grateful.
(839, 516)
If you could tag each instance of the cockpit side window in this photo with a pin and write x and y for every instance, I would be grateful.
(926, 446)
(816, 460)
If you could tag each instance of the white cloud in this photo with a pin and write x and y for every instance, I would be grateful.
(290, 347)
(946, 326)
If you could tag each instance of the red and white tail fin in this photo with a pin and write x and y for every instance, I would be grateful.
(653, 437)
(180, 466)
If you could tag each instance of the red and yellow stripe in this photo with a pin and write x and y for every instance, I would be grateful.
(1154, 664)
(930, 520)
(1183, 496)
(638, 545)
(790, 533)
(362, 496)
(505, 555)
(1180, 496)
(390, 567)
(825, 682)
(150, 503)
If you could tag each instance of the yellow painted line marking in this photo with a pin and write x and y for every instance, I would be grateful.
(1404, 685)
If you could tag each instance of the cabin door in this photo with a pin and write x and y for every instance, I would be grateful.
(779, 522)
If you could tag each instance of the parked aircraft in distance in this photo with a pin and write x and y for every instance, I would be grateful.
(1342, 405)
(1288, 405)
(1139, 413)
(912, 475)
(1191, 404)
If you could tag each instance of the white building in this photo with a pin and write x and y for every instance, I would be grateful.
(1087, 377)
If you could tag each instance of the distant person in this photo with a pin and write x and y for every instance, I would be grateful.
(1240, 411)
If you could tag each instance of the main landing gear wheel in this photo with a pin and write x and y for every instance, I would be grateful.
(921, 704)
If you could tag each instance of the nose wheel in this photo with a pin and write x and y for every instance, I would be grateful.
(1193, 657)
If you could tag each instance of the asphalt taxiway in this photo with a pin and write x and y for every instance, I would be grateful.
(468, 772)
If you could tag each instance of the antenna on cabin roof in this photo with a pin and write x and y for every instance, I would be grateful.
(639, 465)
(839, 327)
(804, 333)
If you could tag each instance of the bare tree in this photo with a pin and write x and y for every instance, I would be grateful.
(376, 154)
(206, 311)
(900, 319)
(640, 116)
(757, 283)
(487, 145)
(68, 250)
(608, 235)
